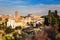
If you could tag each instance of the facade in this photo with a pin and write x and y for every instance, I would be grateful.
(23, 21)
(3, 18)
(37, 18)
(17, 20)
(11, 23)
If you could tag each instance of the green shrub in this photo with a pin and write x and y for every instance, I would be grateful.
(9, 30)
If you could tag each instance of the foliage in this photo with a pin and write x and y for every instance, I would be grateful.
(3, 25)
(9, 30)
(52, 18)
(18, 27)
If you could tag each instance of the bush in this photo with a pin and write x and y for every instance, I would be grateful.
(9, 30)
(18, 27)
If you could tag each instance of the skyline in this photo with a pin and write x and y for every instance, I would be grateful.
(24, 7)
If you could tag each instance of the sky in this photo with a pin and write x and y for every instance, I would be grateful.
(25, 7)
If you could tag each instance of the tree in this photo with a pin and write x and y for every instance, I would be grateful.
(46, 20)
(18, 27)
(4, 25)
(49, 12)
(56, 13)
(8, 30)
(52, 18)
(6, 20)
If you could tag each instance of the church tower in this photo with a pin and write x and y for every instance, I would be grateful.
(16, 13)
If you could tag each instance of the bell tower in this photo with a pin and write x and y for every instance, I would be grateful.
(16, 13)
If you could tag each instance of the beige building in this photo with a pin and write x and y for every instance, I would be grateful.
(17, 20)
(3, 18)
(37, 18)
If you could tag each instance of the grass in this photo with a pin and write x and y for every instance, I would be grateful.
(0, 38)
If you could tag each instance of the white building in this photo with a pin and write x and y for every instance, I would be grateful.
(11, 23)
(23, 22)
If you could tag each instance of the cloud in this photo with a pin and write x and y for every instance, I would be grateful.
(39, 9)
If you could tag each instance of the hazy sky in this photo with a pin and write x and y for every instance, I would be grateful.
(24, 7)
